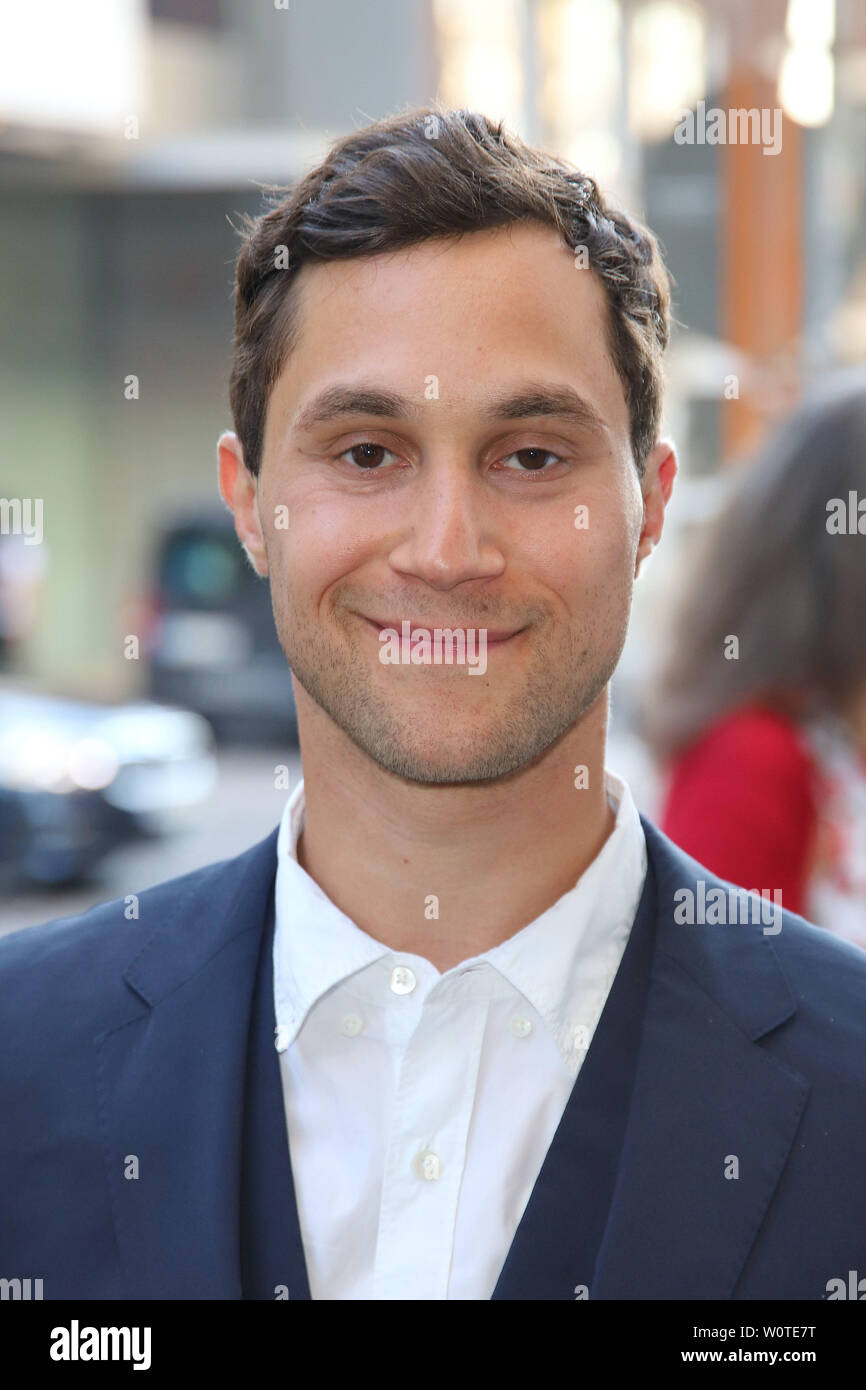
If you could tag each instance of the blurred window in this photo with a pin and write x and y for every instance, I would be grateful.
(201, 568)
(72, 67)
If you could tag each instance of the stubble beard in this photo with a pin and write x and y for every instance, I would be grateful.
(434, 737)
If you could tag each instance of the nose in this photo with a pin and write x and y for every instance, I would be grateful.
(446, 537)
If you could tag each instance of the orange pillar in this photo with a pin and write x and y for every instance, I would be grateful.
(761, 260)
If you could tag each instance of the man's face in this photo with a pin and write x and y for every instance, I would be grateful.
(449, 511)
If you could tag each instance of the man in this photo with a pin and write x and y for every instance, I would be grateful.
(465, 1025)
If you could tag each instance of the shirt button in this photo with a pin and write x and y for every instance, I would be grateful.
(403, 979)
(427, 1166)
(281, 1037)
(521, 1027)
(352, 1025)
(580, 1041)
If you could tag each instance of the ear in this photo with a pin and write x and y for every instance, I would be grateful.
(656, 487)
(239, 492)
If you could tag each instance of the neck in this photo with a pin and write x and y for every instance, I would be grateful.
(390, 853)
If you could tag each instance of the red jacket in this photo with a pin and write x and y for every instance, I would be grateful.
(741, 799)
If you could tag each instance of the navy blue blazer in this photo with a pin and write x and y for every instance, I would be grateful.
(713, 1147)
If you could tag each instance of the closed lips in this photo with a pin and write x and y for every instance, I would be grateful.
(396, 624)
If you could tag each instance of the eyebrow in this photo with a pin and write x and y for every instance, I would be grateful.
(534, 398)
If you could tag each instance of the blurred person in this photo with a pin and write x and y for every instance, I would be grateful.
(443, 1033)
(765, 751)
(22, 573)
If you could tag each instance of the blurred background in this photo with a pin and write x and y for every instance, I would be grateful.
(144, 703)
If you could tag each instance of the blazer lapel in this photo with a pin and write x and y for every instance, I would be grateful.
(172, 1078)
(273, 1265)
(714, 1115)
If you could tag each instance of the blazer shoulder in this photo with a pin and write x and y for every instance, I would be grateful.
(824, 974)
(72, 960)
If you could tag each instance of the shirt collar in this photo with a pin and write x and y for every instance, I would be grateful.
(316, 946)
(563, 962)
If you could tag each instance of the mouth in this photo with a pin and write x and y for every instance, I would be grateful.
(493, 636)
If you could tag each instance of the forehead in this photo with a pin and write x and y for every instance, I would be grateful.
(485, 308)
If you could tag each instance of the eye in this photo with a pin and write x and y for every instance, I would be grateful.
(366, 455)
(532, 459)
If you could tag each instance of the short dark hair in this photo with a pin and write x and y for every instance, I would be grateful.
(435, 172)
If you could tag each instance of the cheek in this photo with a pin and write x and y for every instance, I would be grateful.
(309, 569)
(594, 555)
(325, 538)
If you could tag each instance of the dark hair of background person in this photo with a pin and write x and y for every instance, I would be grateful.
(768, 571)
(435, 172)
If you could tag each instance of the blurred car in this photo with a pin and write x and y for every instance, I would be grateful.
(211, 643)
(78, 779)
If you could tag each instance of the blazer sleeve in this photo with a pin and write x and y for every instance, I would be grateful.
(741, 800)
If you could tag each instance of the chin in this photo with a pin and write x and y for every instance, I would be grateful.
(459, 755)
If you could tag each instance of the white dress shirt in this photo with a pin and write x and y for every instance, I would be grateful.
(420, 1106)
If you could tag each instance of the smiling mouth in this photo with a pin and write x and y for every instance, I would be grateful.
(493, 637)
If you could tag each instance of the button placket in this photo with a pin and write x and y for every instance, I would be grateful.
(426, 1152)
